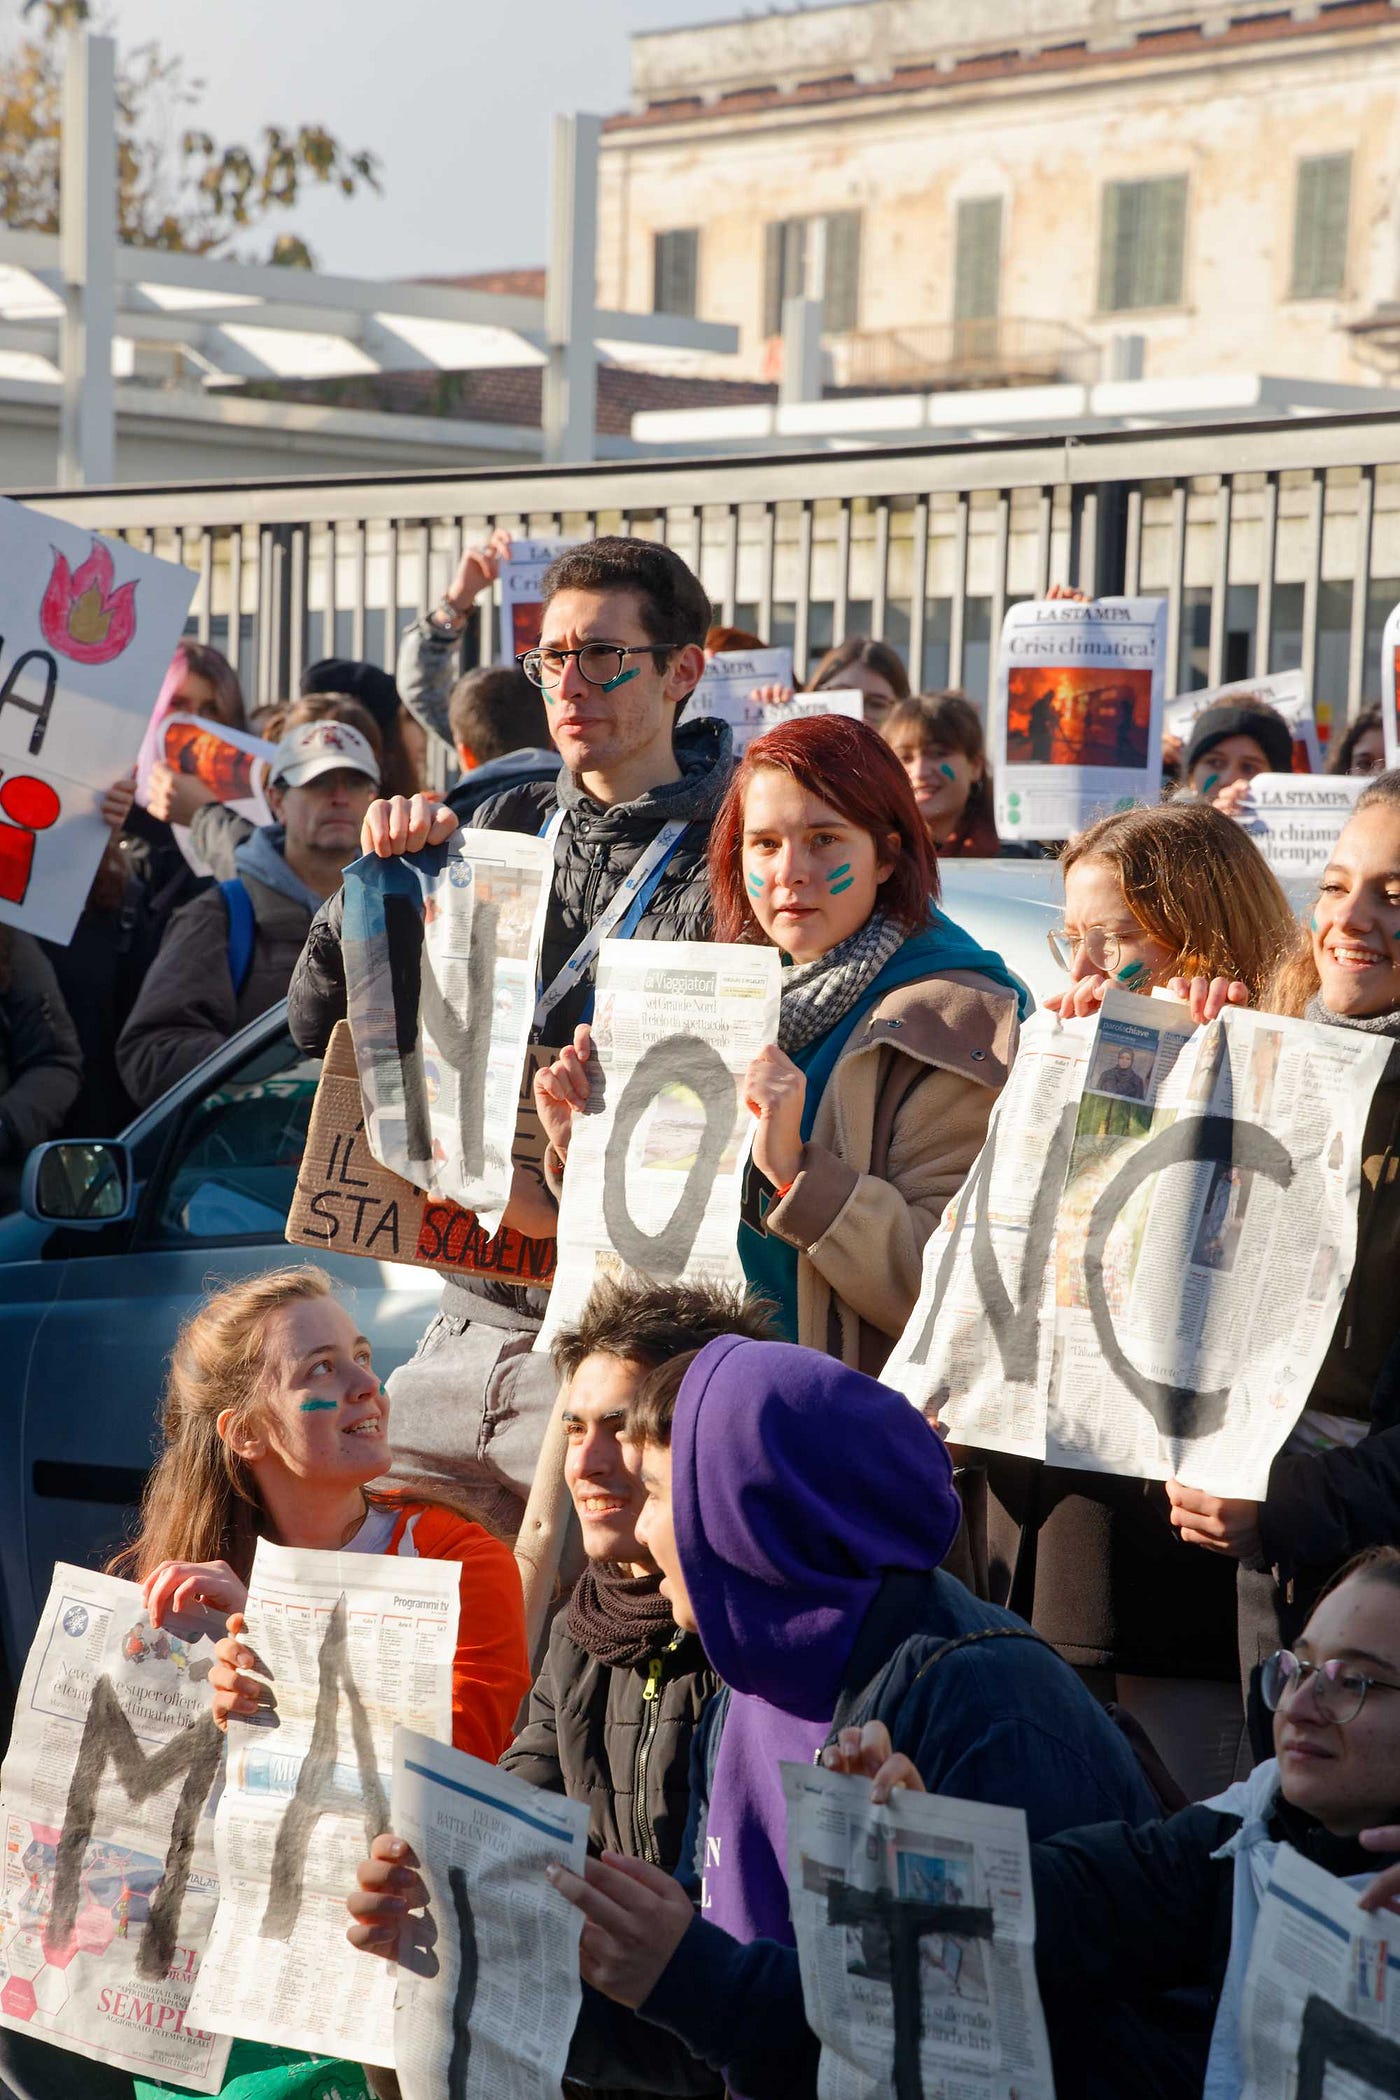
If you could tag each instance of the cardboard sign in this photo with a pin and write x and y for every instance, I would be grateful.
(346, 1202)
(87, 627)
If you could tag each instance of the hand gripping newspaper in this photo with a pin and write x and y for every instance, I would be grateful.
(731, 679)
(656, 1161)
(1143, 1270)
(1321, 2013)
(105, 1798)
(915, 1928)
(439, 951)
(487, 2010)
(351, 1643)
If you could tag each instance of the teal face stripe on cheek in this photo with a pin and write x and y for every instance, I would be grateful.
(756, 885)
(1130, 972)
(621, 679)
(837, 887)
(946, 770)
(1209, 782)
(1312, 923)
(833, 880)
(315, 1407)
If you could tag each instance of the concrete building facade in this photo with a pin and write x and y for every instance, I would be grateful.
(1022, 191)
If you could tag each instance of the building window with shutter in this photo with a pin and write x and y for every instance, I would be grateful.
(789, 267)
(1321, 207)
(977, 276)
(675, 271)
(1142, 247)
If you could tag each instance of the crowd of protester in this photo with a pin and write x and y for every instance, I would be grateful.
(771, 1559)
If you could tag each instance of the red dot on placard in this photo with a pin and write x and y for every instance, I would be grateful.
(30, 802)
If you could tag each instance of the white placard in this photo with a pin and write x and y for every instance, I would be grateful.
(1286, 692)
(725, 693)
(87, 629)
(521, 575)
(229, 762)
(1295, 819)
(1076, 719)
(1390, 687)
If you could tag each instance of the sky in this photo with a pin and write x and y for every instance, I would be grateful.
(455, 100)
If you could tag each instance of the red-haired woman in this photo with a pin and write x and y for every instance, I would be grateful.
(896, 1031)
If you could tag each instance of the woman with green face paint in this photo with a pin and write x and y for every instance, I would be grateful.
(937, 738)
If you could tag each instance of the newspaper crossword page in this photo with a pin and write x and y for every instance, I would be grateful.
(113, 1760)
(352, 1644)
(656, 1161)
(490, 2015)
(915, 1928)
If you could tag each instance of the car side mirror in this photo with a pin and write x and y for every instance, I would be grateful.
(78, 1181)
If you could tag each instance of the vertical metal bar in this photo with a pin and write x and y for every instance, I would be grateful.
(331, 593)
(918, 595)
(765, 574)
(1317, 499)
(1360, 591)
(87, 245)
(802, 624)
(958, 622)
(731, 563)
(1220, 582)
(357, 602)
(425, 572)
(262, 621)
(1132, 556)
(1264, 630)
(1175, 579)
(882, 569)
(1087, 568)
(1044, 535)
(391, 598)
(234, 652)
(206, 582)
(1001, 556)
(841, 604)
(296, 606)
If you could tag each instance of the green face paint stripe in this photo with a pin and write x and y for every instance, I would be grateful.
(946, 770)
(314, 1407)
(837, 887)
(1312, 922)
(1209, 782)
(1131, 970)
(621, 679)
(756, 884)
(836, 873)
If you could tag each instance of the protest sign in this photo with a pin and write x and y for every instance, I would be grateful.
(1390, 686)
(352, 1643)
(439, 950)
(1321, 2012)
(488, 2010)
(1143, 1270)
(1286, 692)
(1295, 819)
(109, 1885)
(87, 627)
(1076, 721)
(656, 1160)
(521, 574)
(233, 766)
(731, 677)
(915, 1928)
(346, 1201)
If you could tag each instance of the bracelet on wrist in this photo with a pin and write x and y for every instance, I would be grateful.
(448, 616)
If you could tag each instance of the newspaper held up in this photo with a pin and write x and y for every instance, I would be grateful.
(352, 1644)
(490, 2016)
(1144, 1268)
(732, 676)
(1286, 692)
(1076, 723)
(112, 1761)
(1321, 2012)
(915, 1927)
(656, 1161)
(232, 765)
(1296, 819)
(1390, 686)
(439, 951)
(521, 575)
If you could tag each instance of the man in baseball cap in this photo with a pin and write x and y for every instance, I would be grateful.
(315, 749)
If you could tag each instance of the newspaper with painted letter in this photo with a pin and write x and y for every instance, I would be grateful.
(1076, 723)
(87, 628)
(656, 1160)
(488, 2012)
(915, 1927)
(232, 765)
(1296, 819)
(439, 951)
(109, 1884)
(352, 1644)
(1321, 2013)
(732, 676)
(1286, 692)
(521, 575)
(1144, 1268)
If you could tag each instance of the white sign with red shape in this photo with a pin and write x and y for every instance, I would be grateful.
(87, 627)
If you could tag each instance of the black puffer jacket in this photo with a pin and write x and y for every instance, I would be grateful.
(41, 1066)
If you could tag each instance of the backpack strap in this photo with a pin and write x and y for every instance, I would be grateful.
(242, 931)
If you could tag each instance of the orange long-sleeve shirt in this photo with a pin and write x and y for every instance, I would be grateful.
(491, 1669)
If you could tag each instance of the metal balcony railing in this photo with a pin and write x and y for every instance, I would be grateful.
(1276, 544)
(998, 350)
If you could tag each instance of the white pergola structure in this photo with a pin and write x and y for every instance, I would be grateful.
(74, 307)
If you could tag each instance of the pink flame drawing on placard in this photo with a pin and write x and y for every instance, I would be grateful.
(81, 615)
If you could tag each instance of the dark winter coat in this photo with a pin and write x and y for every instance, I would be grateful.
(41, 1065)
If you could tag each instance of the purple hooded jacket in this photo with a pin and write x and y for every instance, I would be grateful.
(796, 1484)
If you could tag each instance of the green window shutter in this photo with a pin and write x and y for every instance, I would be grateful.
(1142, 251)
(784, 268)
(977, 260)
(841, 302)
(675, 269)
(1322, 205)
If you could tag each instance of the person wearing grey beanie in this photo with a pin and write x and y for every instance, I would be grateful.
(1229, 745)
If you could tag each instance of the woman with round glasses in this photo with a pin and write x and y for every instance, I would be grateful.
(1125, 1916)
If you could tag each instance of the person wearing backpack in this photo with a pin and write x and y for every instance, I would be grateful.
(229, 955)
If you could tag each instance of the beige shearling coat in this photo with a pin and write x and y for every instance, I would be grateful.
(902, 1118)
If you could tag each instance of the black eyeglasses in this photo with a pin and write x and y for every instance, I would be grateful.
(600, 662)
(1338, 1689)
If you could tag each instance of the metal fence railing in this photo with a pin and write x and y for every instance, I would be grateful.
(1276, 543)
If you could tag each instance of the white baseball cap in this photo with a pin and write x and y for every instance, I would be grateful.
(314, 748)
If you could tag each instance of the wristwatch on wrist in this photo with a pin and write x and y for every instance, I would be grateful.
(447, 617)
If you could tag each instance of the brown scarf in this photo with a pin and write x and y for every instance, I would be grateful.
(619, 1619)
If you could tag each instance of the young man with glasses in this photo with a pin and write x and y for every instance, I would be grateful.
(623, 624)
